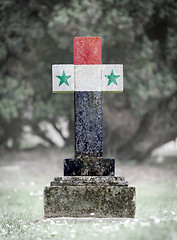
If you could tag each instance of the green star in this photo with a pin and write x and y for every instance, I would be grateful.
(63, 79)
(112, 78)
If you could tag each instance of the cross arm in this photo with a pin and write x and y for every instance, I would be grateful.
(71, 78)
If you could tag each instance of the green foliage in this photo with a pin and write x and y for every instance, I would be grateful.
(15, 96)
(36, 34)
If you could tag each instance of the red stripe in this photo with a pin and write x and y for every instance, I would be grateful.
(87, 50)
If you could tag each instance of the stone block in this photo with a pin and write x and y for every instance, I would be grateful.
(89, 167)
(112, 78)
(66, 73)
(89, 197)
(87, 50)
(93, 78)
(87, 77)
(88, 124)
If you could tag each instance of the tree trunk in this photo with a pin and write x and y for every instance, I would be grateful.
(156, 127)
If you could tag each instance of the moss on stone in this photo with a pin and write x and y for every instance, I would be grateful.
(81, 201)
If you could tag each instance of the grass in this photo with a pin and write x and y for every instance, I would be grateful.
(21, 216)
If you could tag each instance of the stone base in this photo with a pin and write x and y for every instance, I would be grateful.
(89, 167)
(89, 197)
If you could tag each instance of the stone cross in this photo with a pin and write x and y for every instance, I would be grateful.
(88, 187)
(88, 78)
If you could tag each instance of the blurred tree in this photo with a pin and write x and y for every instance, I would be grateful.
(141, 35)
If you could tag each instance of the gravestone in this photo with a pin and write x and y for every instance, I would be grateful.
(89, 187)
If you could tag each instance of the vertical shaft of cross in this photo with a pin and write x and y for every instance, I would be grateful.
(88, 159)
(88, 105)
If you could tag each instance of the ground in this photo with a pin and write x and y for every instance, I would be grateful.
(24, 174)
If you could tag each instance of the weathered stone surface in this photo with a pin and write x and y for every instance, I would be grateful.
(83, 200)
(89, 167)
(89, 180)
(87, 77)
(88, 124)
(87, 50)
(118, 71)
(57, 70)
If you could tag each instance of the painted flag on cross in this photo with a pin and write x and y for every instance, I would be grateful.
(104, 77)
